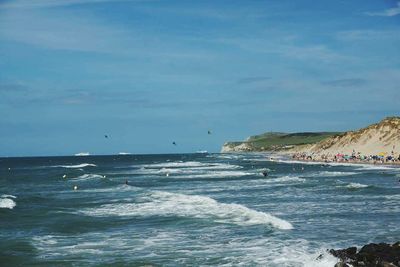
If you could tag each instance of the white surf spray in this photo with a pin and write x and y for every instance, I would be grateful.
(171, 204)
(356, 186)
(88, 176)
(329, 174)
(7, 202)
(82, 165)
(189, 164)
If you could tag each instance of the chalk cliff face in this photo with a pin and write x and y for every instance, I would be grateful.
(229, 147)
(372, 140)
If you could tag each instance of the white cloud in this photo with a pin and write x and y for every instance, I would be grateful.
(386, 13)
(367, 35)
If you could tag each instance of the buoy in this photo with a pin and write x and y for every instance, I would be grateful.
(167, 174)
(64, 176)
(75, 187)
(104, 176)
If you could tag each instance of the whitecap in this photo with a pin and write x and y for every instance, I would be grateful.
(217, 174)
(6, 202)
(366, 167)
(360, 166)
(88, 176)
(288, 179)
(172, 204)
(190, 164)
(8, 196)
(330, 174)
(82, 165)
(356, 185)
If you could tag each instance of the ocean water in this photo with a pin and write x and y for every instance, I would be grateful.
(190, 210)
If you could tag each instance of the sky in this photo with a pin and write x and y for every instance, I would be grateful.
(147, 73)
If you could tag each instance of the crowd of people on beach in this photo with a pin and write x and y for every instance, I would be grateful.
(354, 157)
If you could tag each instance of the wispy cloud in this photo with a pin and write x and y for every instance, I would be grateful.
(6, 87)
(366, 35)
(55, 3)
(255, 79)
(345, 82)
(287, 49)
(386, 13)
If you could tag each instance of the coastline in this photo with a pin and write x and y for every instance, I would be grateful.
(289, 159)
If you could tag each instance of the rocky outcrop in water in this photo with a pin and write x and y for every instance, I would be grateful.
(371, 255)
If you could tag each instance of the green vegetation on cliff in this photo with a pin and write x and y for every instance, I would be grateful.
(274, 141)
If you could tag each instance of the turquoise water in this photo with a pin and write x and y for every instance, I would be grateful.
(190, 210)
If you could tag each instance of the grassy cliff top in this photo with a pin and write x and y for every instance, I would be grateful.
(271, 140)
(279, 141)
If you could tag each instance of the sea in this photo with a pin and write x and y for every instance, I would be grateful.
(191, 210)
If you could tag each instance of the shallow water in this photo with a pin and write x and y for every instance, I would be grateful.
(192, 209)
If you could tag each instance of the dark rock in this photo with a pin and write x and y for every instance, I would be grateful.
(341, 264)
(371, 255)
(343, 254)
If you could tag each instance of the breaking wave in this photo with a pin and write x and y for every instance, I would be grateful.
(160, 203)
(88, 176)
(83, 165)
(356, 185)
(330, 174)
(190, 165)
(288, 179)
(7, 202)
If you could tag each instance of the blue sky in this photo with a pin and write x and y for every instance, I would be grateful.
(148, 72)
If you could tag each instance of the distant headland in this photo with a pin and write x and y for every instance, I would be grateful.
(379, 142)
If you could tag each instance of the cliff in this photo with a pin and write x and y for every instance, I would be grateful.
(379, 138)
(276, 141)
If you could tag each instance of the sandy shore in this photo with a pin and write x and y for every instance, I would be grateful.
(289, 159)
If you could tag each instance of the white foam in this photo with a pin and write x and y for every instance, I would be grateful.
(296, 257)
(83, 165)
(330, 174)
(288, 179)
(8, 196)
(6, 202)
(172, 204)
(190, 164)
(88, 176)
(376, 167)
(356, 185)
(361, 166)
(218, 174)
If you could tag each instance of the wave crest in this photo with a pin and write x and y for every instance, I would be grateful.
(82, 165)
(7, 202)
(171, 204)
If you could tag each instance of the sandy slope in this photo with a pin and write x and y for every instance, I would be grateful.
(372, 140)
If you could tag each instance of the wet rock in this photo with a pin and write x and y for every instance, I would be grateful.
(341, 264)
(344, 254)
(371, 255)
